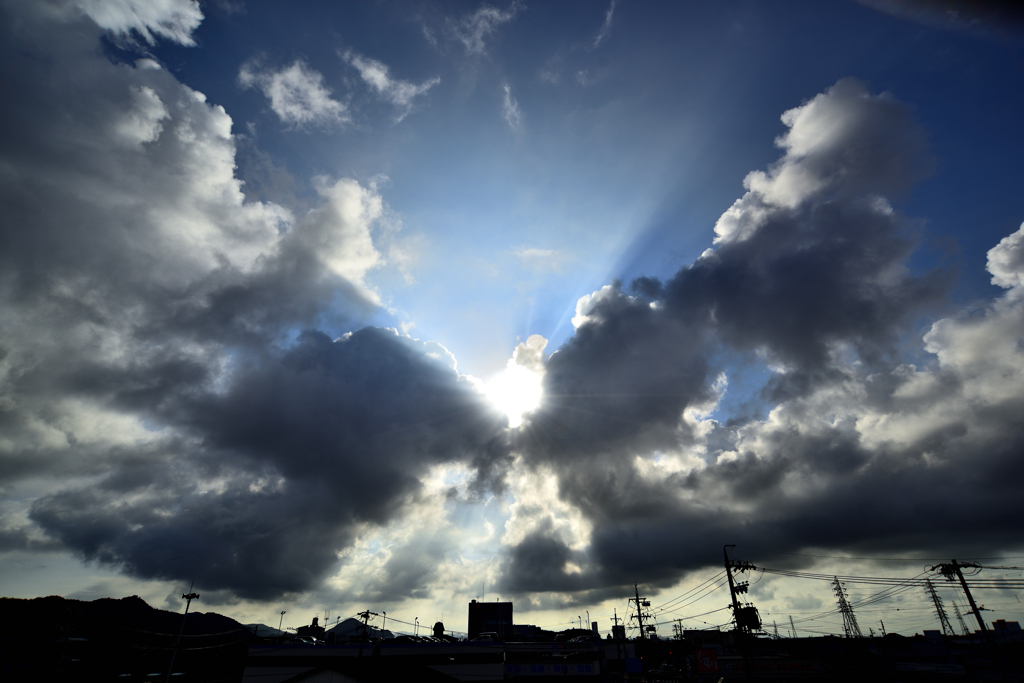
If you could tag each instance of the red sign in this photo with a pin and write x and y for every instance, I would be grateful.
(707, 660)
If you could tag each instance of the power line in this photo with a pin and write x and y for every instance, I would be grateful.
(878, 559)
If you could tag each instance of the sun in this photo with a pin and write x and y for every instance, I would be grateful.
(515, 391)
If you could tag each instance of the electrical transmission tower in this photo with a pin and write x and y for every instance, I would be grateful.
(850, 626)
(960, 618)
(940, 612)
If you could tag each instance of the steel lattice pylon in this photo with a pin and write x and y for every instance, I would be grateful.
(850, 626)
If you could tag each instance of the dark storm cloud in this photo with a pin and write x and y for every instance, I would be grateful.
(296, 454)
(807, 280)
(621, 382)
(897, 506)
(538, 564)
(808, 275)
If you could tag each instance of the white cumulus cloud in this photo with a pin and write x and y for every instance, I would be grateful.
(171, 19)
(845, 141)
(297, 94)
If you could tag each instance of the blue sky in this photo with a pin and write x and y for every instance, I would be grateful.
(627, 151)
(263, 263)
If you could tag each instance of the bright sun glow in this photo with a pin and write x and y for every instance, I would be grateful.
(515, 392)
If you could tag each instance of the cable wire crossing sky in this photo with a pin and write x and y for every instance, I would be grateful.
(384, 305)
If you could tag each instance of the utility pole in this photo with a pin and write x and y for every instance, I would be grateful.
(640, 604)
(365, 616)
(940, 611)
(850, 626)
(953, 569)
(747, 619)
(188, 597)
(615, 634)
(746, 616)
(732, 586)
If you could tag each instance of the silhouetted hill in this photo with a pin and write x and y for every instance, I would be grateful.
(49, 637)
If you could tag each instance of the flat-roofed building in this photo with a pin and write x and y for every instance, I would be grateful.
(490, 617)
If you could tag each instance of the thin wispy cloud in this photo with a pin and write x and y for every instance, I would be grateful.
(510, 109)
(398, 92)
(297, 94)
(474, 29)
(606, 27)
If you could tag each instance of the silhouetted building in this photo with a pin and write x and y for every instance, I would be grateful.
(1003, 626)
(314, 630)
(493, 617)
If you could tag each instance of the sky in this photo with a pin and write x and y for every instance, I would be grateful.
(340, 306)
